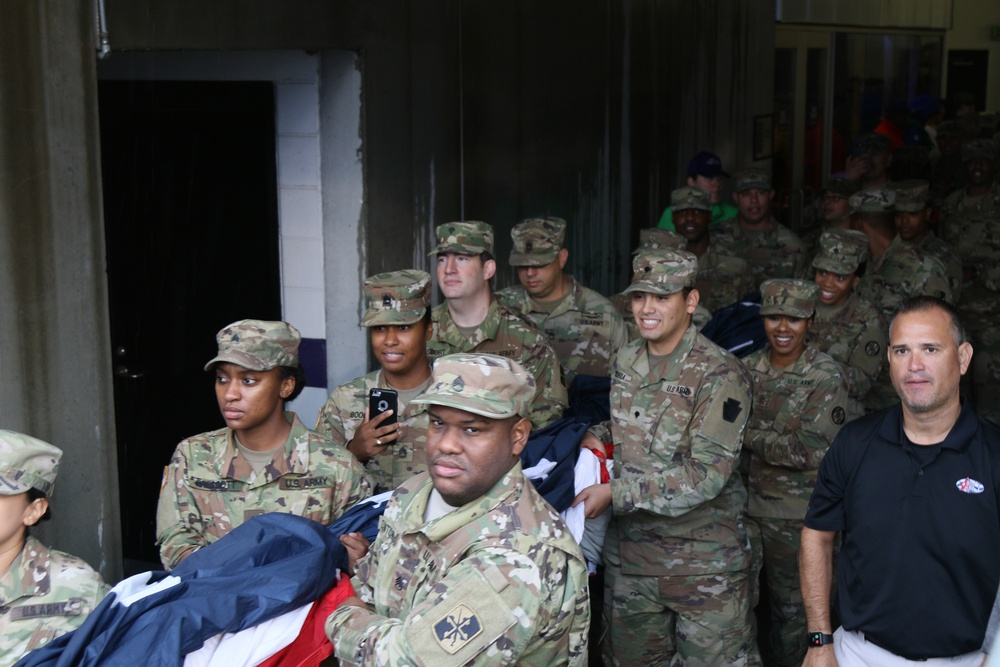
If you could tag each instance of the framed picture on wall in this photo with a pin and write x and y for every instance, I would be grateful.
(763, 137)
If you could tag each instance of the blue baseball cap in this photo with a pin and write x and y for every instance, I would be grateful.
(706, 164)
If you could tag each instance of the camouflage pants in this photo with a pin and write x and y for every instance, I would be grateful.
(774, 545)
(682, 620)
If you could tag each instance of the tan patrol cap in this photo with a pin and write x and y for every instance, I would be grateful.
(688, 197)
(464, 238)
(873, 200)
(841, 251)
(27, 463)
(663, 271)
(655, 238)
(258, 345)
(537, 241)
(483, 384)
(911, 196)
(397, 298)
(784, 296)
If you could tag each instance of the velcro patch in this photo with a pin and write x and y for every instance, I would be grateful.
(299, 483)
(215, 484)
(872, 348)
(457, 628)
(71, 607)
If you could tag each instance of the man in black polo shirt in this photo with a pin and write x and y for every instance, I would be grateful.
(915, 491)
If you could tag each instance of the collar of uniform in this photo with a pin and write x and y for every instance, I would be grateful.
(800, 367)
(961, 434)
(19, 580)
(673, 364)
(825, 312)
(739, 231)
(447, 331)
(444, 526)
(292, 460)
(571, 301)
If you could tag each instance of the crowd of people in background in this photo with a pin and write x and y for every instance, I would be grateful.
(789, 424)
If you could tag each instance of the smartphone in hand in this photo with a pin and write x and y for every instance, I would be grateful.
(382, 400)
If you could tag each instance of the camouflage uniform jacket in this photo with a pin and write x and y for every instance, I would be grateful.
(797, 412)
(499, 581)
(773, 253)
(507, 334)
(856, 335)
(44, 594)
(584, 330)
(936, 247)
(344, 411)
(677, 496)
(722, 279)
(972, 227)
(901, 272)
(209, 488)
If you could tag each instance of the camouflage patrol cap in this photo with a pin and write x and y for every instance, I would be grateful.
(663, 271)
(979, 149)
(655, 238)
(27, 463)
(464, 238)
(949, 128)
(875, 142)
(537, 241)
(785, 296)
(911, 196)
(841, 251)
(258, 345)
(690, 196)
(397, 298)
(753, 177)
(842, 187)
(483, 384)
(873, 200)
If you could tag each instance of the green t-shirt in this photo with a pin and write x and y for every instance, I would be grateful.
(720, 213)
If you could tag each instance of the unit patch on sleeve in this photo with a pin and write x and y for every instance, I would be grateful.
(457, 628)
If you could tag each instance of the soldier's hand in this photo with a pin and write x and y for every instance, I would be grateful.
(856, 166)
(820, 656)
(372, 438)
(591, 441)
(595, 498)
(353, 601)
(357, 547)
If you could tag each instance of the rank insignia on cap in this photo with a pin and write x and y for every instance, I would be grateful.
(457, 628)
(386, 301)
(458, 384)
(529, 247)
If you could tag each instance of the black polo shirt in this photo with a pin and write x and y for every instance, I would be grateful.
(920, 559)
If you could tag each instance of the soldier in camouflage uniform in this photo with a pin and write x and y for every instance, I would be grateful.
(895, 272)
(846, 327)
(399, 324)
(771, 249)
(471, 320)
(676, 551)
(654, 239)
(970, 222)
(799, 405)
(913, 212)
(722, 279)
(833, 209)
(265, 460)
(582, 326)
(471, 566)
(44, 593)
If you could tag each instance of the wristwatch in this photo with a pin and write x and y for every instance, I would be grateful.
(819, 639)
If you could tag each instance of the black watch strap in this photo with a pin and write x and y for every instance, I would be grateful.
(819, 639)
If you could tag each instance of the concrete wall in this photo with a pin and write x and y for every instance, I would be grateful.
(55, 367)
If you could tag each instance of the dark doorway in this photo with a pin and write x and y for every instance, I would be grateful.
(967, 71)
(190, 204)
